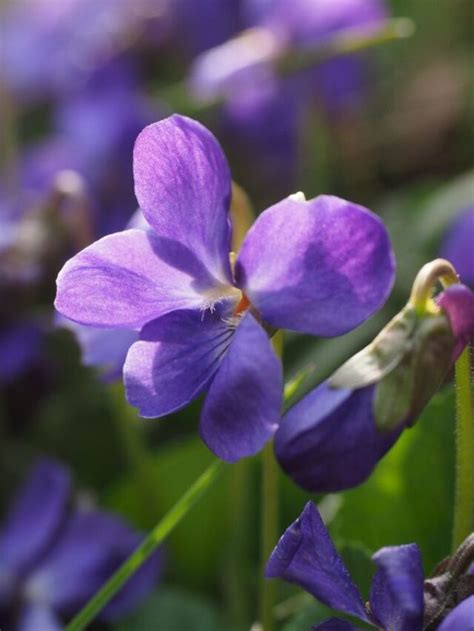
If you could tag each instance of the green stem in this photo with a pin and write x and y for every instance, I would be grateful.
(464, 489)
(145, 549)
(269, 532)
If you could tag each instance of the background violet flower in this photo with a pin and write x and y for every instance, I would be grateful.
(53, 559)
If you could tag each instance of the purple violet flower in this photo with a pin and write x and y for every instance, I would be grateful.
(320, 266)
(334, 437)
(457, 246)
(54, 558)
(306, 556)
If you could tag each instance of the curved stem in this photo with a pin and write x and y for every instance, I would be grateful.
(145, 549)
(438, 270)
(269, 531)
(464, 485)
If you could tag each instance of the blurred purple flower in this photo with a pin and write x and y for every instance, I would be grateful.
(54, 558)
(243, 73)
(306, 556)
(51, 48)
(200, 318)
(333, 438)
(457, 246)
(20, 347)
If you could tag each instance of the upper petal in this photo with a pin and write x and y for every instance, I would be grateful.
(174, 360)
(305, 555)
(35, 517)
(320, 267)
(242, 408)
(329, 441)
(183, 185)
(396, 597)
(130, 278)
(462, 617)
(457, 246)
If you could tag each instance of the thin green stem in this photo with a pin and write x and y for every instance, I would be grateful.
(269, 532)
(145, 549)
(464, 489)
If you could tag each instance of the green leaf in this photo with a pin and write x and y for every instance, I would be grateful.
(171, 609)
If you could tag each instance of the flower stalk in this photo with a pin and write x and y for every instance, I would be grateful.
(464, 484)
(270, 531)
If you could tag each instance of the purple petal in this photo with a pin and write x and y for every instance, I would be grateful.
(462, 617)
(174, 360)
(329, 441)
(35, 518)
(305, 555)
(242, 408)
(38, 617)
(183, 185)
(457, 246)
(458, 303)
(335, 624)
(91, 548)
(320, 267)
(130, 278)
(396, 597)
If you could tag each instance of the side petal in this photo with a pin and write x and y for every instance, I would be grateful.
(306, 556)
(242, 408)
(174, 360)
(183, 185)
(457, 245)
(462, 617)
(91, 548)
(321, 266)
(130, 278)
(457, 302)
(329, 441)
(36, 516)
(396, 597)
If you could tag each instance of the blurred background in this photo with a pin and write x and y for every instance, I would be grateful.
(324, 96)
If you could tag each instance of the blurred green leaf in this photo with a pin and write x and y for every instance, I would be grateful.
(171, 609)
(198, 545)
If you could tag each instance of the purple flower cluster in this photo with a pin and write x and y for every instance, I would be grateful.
(54, 557)
(320, 267)
(306, 556)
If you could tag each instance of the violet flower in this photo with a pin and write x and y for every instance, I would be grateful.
(320, 266)
(54, 558)
(457, 245)
(306, 556)
(334, 437)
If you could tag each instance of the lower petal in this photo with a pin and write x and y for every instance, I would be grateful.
(329, 441)
(396, 597)
(242, 409)
(174, 360)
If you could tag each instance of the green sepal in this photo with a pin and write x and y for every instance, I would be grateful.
(380, 357)
(403, 393)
